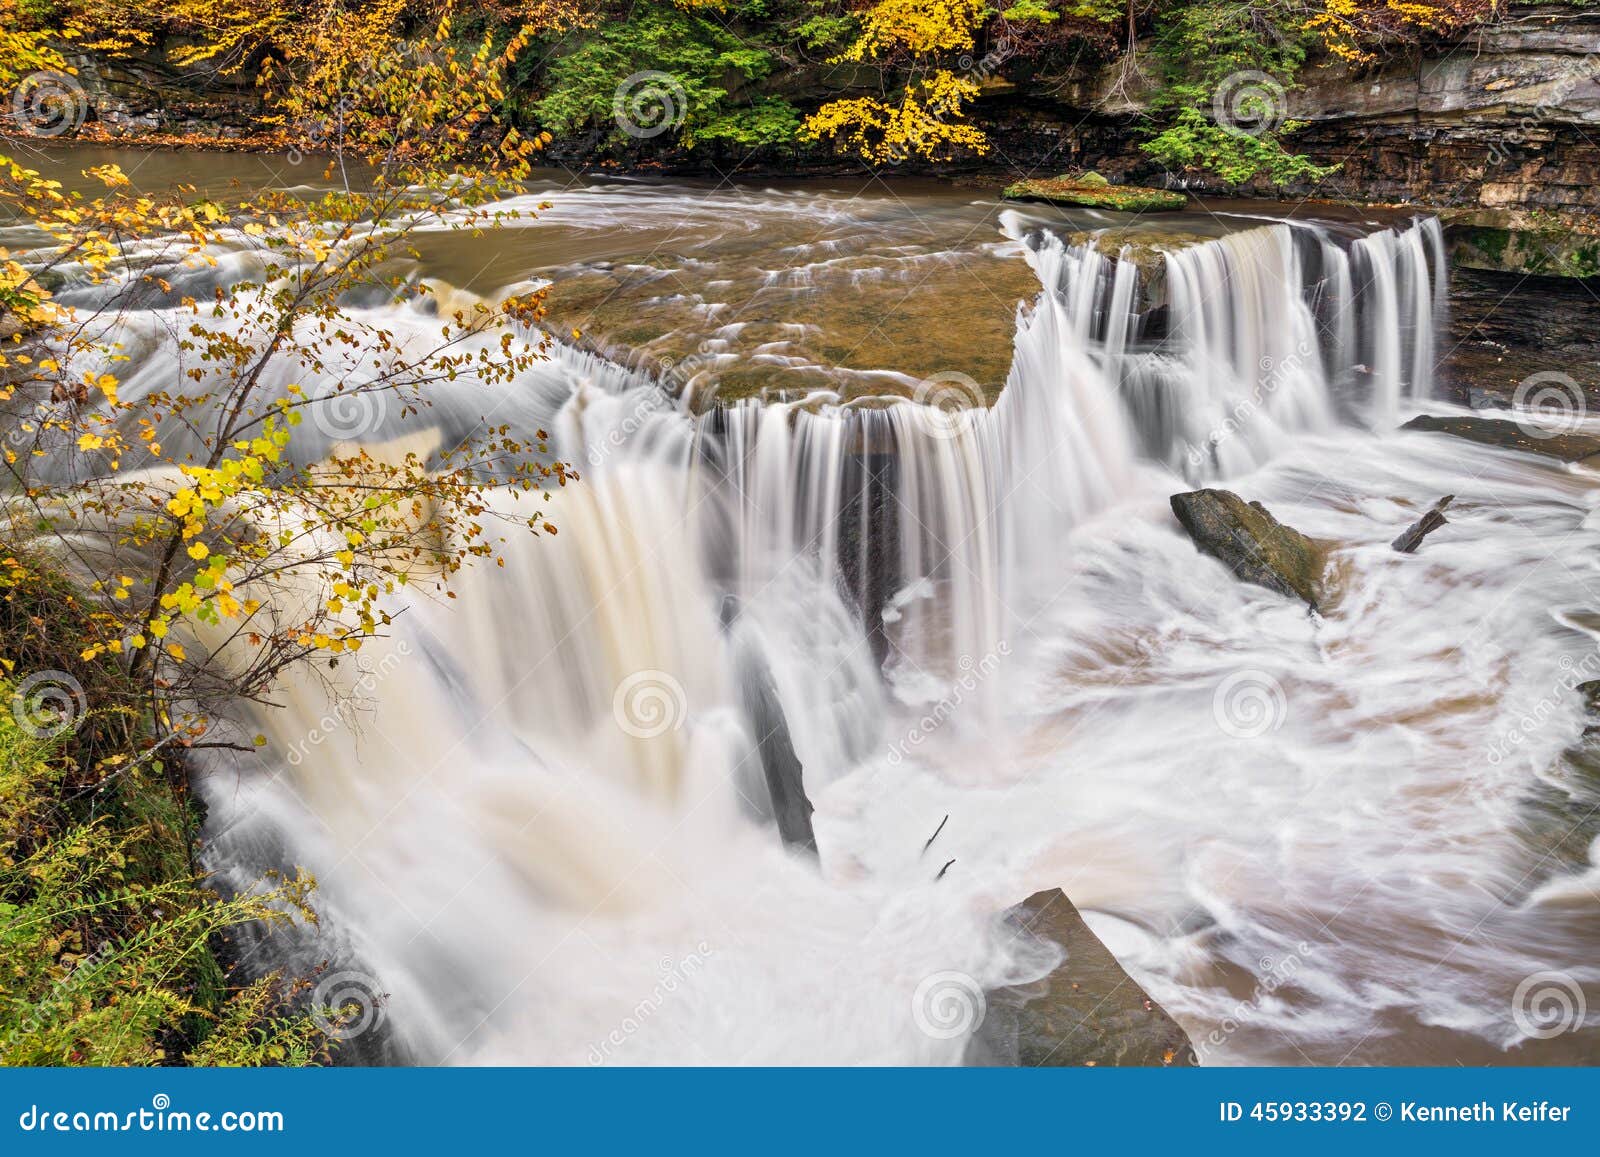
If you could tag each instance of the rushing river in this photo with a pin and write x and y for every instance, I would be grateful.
(544, 833)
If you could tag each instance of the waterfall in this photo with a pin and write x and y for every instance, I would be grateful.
(529, 795)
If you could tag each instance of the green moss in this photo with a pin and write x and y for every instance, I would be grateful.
(1092, 194)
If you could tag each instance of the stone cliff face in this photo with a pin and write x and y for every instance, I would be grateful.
(1506, 118)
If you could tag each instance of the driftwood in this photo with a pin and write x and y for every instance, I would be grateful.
(1408, 542)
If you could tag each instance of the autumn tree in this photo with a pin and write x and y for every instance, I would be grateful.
(231, 520)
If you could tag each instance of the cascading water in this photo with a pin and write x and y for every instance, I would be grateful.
(540, 813)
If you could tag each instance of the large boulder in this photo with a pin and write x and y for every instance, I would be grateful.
(1251, 543)
(1510, 436)
(1088, 1011)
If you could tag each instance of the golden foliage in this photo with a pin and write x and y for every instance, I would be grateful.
(926, 123)
(918, 27)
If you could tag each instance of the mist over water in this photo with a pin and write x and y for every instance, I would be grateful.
(537, 812)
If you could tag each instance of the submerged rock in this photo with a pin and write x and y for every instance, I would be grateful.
(1092, 191)
(1510, 436)
(1254, 545)
(1408, 542)
(1088, 1011)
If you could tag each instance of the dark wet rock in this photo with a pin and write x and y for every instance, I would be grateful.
(1408, 542)
(1092, 191)
(1087, 1011)
(1509, 436)
(869, 541)
(780, 766)
(1251, 543)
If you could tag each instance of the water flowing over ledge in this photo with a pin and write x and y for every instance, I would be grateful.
(540, 813)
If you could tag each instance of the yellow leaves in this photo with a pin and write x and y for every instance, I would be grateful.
(919, 27)
(198, 550)
(926, 123)
(176, 651)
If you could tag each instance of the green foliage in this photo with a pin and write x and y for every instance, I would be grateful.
(1226, 69)
(826, 32)
(105, 930)
(700, 62)
(1193, 142)
(1035, 10)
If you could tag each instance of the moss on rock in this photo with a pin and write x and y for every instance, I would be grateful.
(1092, 191)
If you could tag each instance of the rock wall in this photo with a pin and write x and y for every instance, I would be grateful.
(1506, 118)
